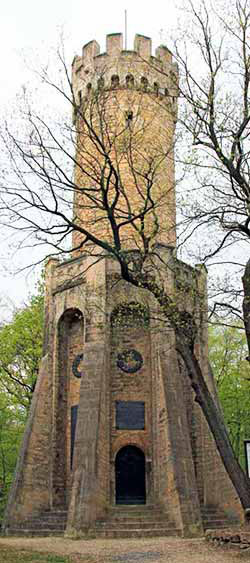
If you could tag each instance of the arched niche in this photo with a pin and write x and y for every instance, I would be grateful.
(130, 476)
(70, 339)
(88, 88)
(144, 83)
(130, 81)
(100, 83)
(115, 81)
(156, 88)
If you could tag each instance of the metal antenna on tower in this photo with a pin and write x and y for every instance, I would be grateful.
(125, 30)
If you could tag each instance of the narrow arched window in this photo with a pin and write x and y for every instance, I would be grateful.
(156, 88)
(144, 83)
(100, 83)
(129, 116)
(115, 81)
(130, 81)
(89, 86)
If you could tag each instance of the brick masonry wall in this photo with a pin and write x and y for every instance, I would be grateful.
(131, 387)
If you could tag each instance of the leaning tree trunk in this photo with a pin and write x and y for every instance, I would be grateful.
(246, 304)
(185, 330)
(215, 421)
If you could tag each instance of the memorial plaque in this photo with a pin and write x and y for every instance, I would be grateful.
(74, 410)
(130, 415)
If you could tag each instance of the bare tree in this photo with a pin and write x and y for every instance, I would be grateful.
(107, 153)
(215, 121)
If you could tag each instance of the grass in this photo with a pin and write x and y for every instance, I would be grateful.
(11, 555)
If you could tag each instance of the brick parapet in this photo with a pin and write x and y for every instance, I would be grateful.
(160, 70)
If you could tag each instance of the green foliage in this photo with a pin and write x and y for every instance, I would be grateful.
(21, 350)
(12, 420)
(20, 354)
(228, 352)
(127, 315)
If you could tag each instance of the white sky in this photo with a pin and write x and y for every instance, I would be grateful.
(34, 25)
(26, 27)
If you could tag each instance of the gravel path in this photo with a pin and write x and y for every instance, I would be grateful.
(151, 550)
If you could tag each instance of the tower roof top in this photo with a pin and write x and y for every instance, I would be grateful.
(158, 68)
(114, 48)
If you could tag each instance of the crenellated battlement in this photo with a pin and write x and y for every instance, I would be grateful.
(119, 68)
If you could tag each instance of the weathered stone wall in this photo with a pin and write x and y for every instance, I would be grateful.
(131, 386)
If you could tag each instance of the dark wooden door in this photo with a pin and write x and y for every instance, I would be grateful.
(130, 476)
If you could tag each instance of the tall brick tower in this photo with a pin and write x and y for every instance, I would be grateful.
(115, 444)
(130, 99)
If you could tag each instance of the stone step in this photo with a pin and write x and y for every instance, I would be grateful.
(29, 532)
(154, 513)
(134, 508)
(212, 515)
(123, 518)
(42, 525)
(219, 517)
(122, 522)
(212, 525)
(134, 525)
(57, 513)
(216, 518)
(43, 519)
(49, 523)
(213, 512)
(136, 533)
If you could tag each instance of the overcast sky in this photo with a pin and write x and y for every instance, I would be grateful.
(34, 25)
(27, 26)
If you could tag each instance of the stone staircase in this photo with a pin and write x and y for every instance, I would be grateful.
(120, 522)
(48, 523)
(134, 522)
(214, 518)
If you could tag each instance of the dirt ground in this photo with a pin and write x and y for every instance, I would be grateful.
(151, 550)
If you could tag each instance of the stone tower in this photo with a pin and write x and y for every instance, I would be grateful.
(113, 427)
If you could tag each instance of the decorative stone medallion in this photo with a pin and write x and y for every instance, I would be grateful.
(75, 365)
(129, 361)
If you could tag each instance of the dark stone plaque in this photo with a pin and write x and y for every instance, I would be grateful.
(74, 411)
(130, 415)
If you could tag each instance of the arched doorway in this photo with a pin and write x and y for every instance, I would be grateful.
(130, 476)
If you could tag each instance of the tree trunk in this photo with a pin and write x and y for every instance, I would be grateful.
(246, 304)
(185, 331)
(215, 421)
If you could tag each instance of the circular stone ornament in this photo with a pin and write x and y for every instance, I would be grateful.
(75, 366)
(129, 361)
